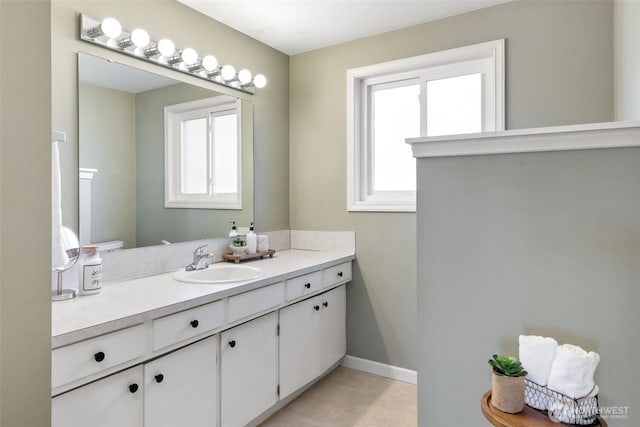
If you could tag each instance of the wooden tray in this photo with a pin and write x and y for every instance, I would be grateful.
(230, 257)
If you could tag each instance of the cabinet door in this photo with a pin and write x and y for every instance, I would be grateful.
(248, 370)
(332, 334)
(181, 387)
(299, 325)
(112, 401)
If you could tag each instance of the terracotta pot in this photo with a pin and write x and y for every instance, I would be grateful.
(508, 393)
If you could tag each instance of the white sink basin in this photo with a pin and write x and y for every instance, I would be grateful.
(219, 273)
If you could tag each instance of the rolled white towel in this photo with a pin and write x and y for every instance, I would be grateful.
(571, 412)
(572, 371)
(536, 355)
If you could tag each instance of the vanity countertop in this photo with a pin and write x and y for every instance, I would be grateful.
(131, 302)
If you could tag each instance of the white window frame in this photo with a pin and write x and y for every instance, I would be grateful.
(487, 57)
(173, 117)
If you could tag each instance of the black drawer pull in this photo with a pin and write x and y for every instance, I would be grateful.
(159, 378)
(316, 307)
(232, 343)
(133, 388)
(194, 323)
(99, 356)
(307, 285)
(339, 273)
(326, 304)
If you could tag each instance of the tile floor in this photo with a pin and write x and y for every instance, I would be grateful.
(350, 398)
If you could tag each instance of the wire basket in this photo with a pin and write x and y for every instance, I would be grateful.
(561, 408)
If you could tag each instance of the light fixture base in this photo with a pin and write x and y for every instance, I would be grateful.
(149, 54)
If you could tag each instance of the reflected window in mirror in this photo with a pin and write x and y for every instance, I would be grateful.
(203, 147)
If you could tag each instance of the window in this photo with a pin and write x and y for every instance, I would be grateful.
(202, 154)
(450, 92)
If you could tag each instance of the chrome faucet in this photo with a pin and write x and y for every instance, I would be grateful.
(200, 259)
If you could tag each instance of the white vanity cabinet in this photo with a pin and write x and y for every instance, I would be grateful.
(218, 359)
(248, 370)
(177, 389)
(312, 338)
(112, 401)
(181, 388)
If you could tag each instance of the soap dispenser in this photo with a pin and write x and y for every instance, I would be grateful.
(234, 230)
(252, 241)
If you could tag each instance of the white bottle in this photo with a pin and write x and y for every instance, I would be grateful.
(90, 271)
(252, 241)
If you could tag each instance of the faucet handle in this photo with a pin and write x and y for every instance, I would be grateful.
(200, 250)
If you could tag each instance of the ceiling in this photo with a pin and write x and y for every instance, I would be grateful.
(297, 26)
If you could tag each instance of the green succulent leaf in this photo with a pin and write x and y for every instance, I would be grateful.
(507, 366)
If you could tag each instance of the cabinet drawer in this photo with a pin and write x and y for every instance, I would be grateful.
(187, 324)
(254, 302)
(340, 273)
(303, 285)
(79, 360)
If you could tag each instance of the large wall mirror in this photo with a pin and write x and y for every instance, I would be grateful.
(122, 158)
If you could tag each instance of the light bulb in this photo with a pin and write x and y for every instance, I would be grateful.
(189, 56)
(244, 76)
(209, 63)
(228, 72)
(111, 28)
(140, 37)
(166, 47)
(259, 81)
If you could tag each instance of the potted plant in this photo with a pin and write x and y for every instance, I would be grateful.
(507, 383)
(238, 246)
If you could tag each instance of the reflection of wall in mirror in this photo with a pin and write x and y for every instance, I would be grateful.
(122, 137)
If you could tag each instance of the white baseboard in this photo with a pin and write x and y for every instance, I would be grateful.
(381, 369)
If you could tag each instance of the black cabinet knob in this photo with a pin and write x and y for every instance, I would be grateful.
(194, 323)
(339, 273)
(159, 378)
(326, 304)
(307, 285)
(316, 307)
(99, 356)
(133, 388)
(232, 343)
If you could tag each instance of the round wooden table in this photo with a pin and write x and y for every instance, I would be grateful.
(528, 418)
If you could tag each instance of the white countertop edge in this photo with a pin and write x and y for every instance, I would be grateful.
(556, 138)
(181, 299)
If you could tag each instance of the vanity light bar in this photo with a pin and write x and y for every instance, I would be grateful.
(109, 34)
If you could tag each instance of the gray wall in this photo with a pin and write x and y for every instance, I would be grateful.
(107, 131)
(546, 244)
(559, 71)
(186, 27)
(627, 59)
(25, 213)
(154, 222)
